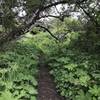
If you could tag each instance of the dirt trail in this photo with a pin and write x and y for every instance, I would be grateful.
(46, 88)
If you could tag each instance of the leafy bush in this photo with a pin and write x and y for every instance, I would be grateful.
(77, 75)
(76, 72)
(18, 71)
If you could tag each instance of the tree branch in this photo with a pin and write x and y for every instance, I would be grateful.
(21, 30)
(54, 4)
(89, 15)
(48, 31)
(41, 9)
(50, 16)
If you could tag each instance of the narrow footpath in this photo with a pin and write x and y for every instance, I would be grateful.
(46, 87)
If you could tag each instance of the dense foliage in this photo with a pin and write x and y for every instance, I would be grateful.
(18, 71)
(74, 61)
(77, 75)
(72, 51)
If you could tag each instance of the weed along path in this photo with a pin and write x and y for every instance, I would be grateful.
(46, 87)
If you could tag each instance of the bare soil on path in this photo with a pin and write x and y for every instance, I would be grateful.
(46, 86)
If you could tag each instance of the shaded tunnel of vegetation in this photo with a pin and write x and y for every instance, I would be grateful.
(49, 50)
(73, 66)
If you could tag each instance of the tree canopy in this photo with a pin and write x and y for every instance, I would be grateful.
(18, 16)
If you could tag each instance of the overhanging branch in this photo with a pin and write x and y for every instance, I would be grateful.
(48, 31)
(54, 4)
(25, 28)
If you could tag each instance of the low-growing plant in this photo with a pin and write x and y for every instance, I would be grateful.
(77, 75)
(18, 71)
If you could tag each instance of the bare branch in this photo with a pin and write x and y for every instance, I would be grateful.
(89, 15)
(54, 4)
(44, 16)
(48, 31)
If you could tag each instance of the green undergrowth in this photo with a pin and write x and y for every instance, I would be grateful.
(73, 62)
(76, 72)
(77, 75)
(18, 71)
